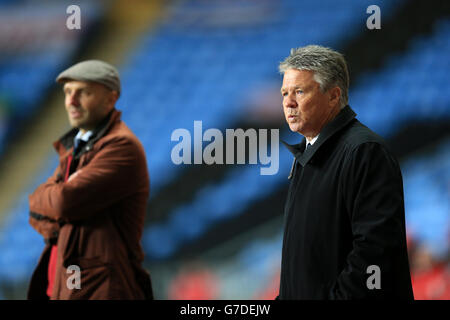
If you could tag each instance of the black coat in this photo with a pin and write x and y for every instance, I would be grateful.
(345, 212)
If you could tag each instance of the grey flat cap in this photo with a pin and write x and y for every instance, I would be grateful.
(92, 70)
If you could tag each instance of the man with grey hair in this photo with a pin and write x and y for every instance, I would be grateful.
(344, 234)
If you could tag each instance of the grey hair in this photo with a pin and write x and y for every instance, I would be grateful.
(329, 67)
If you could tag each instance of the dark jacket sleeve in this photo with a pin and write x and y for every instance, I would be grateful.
(374, 198)
(111, 175)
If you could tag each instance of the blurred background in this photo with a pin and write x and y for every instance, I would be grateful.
(214, 231)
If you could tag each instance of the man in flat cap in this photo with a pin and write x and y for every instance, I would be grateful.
(91, 210)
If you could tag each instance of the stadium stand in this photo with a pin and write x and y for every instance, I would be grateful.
(410, 97)
(186, 44)
(427, 199)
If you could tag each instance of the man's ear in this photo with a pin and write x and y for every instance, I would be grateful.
(334, 96)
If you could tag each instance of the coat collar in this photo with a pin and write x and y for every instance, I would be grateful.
(341, 120)
(65, 143)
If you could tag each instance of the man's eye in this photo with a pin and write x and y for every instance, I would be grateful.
(299, 91)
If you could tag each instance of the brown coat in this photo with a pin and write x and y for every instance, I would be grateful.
(97, 217)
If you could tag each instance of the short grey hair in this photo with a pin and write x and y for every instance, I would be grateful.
(329, 67)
